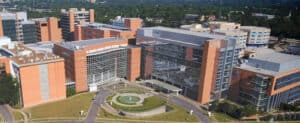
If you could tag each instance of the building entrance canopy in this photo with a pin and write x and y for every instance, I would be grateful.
(164, 85)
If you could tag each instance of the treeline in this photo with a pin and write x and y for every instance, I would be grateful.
(172, 11)
(9, 90)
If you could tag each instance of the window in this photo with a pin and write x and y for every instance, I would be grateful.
(287, 80)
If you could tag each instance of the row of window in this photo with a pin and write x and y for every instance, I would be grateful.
(287, 80)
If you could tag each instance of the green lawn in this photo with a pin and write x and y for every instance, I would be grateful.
(178, 114)
(18, 116)
(149, 103)
(109, 98)
(1, 119)
(67, 108)
(221, 117)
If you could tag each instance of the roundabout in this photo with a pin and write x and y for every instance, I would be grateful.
(140, 103)
(135, 104)
(130, 100)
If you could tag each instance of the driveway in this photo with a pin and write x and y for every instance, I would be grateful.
(98, 100)
(180, 102)
(6, 114)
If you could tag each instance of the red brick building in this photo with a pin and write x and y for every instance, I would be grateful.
(48, 30)
(266, 79)
(69, 19)
(87, 31)
(90, 63)
(41, 75)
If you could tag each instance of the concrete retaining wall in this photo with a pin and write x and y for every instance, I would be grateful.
(156, 111)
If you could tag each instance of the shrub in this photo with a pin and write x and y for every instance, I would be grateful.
(248, 110)
(71, 92)
(236, 111)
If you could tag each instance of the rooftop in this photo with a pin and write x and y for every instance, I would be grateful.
(270, 62)
(75, 10)
(8, 16)
(255, 28)
(104, 26)
(40, 19)
(77, 45)
(12, 15)
(230, 32)
(273, 56)
(180, 36)
(24, 56)
(28, 22)
(195, 27)
(223, 22)
(41, 47)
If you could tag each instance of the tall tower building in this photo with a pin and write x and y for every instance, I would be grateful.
(198, 63)
(48, 30)
(12, 24)
(73, 17)
(257, 36)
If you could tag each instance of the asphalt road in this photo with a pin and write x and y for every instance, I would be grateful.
(180, 102)
(98, 100)
(6, 114)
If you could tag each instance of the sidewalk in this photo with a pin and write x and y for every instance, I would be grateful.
(25, 120)
(6, 114)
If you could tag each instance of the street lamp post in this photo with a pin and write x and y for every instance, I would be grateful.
(209, 112)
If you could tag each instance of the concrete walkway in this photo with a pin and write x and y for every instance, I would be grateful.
(6, 114)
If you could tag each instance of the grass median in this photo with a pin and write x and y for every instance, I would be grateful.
(148, 104)
(18, 116)
(178, 114)
(68, 108)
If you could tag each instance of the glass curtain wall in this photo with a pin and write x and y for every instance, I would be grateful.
(106, 66)
(169, 65)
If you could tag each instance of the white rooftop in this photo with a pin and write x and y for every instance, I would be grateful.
(104, 26)
(77, 45)
(268, 61)
(178, 36)
(254, 28)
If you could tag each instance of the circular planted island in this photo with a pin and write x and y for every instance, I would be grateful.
(128, 99)
(136, 104)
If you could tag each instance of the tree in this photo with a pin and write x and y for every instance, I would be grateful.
(248, 110)
(71, 91)
(9, 90)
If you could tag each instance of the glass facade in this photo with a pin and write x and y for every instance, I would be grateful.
(29, 33)
(65, 25)
(227, 59)
(287, 80)
(290, 96)
(169, 64)
(107, 65)
(9, 29)
(256, 91)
